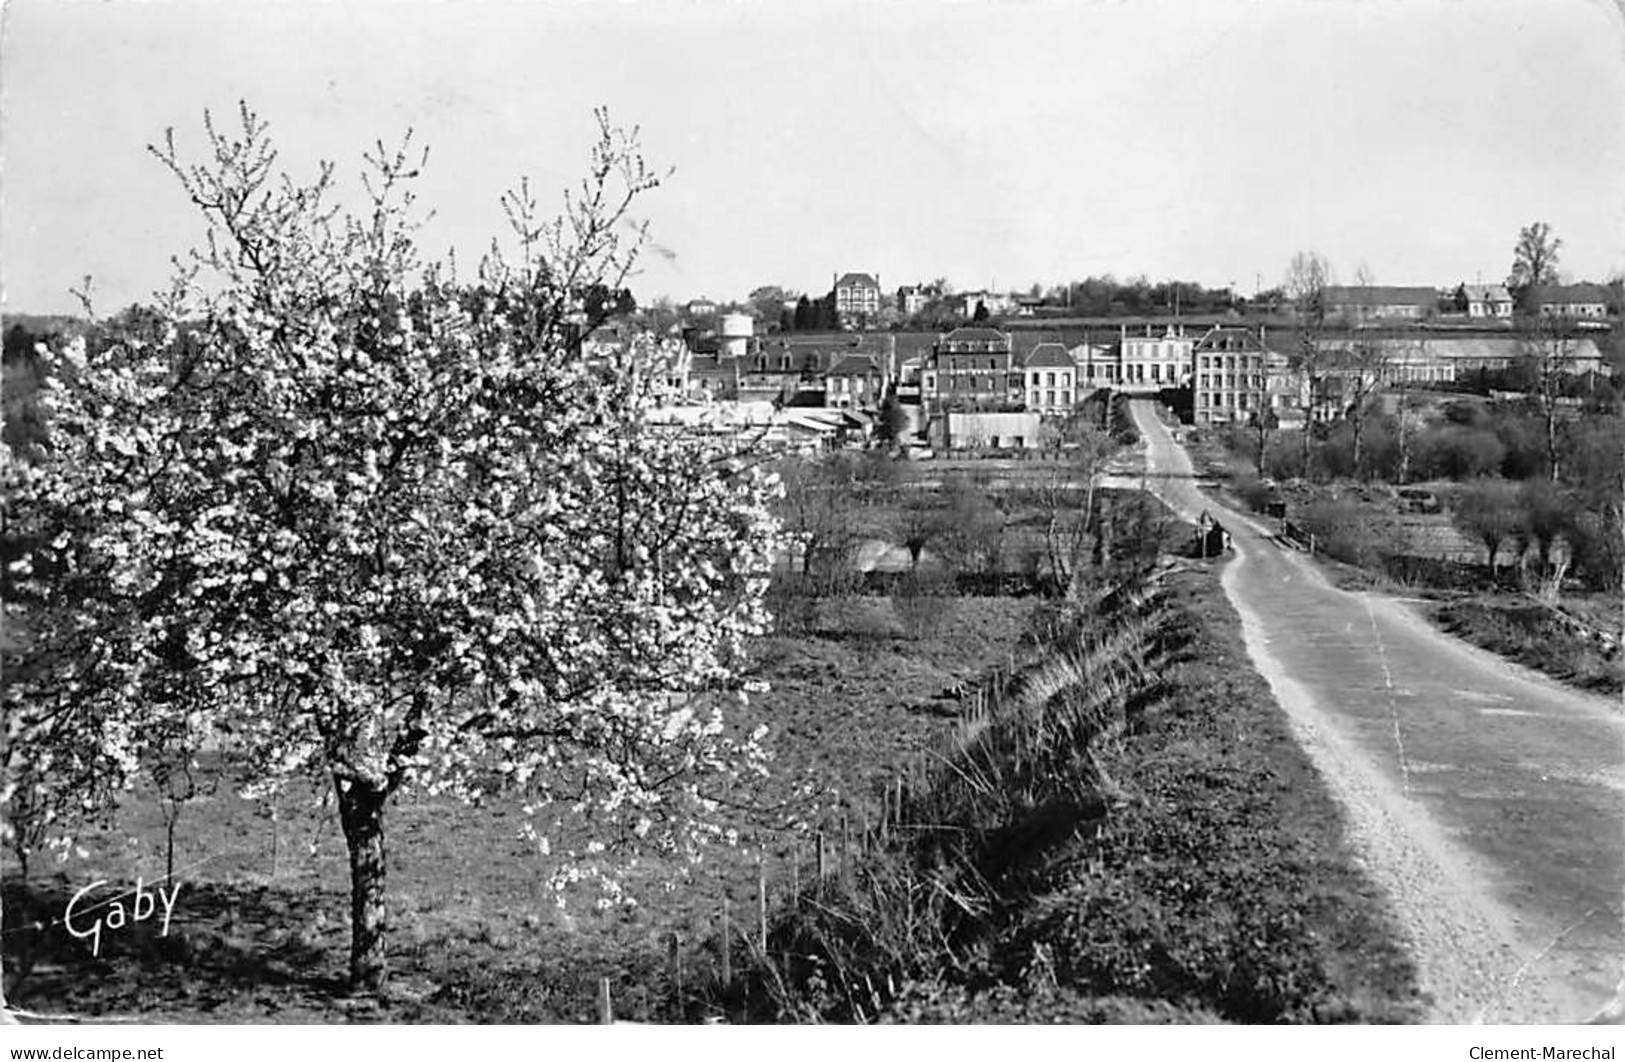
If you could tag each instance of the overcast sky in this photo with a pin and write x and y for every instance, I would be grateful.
(991, 143)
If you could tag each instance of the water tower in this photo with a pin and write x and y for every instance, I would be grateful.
(737, 329)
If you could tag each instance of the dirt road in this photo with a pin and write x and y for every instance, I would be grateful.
(1488, 800)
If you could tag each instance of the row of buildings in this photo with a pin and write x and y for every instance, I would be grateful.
(1232, 370)
(1483, 302)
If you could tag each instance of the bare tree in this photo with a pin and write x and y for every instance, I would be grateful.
(1263, 422)
(1534, 260)
(1488, 511)
(819, 514)
(1307, 277)
(1406, 418)
(1361, 364)
(1547, 349)
(917, 524)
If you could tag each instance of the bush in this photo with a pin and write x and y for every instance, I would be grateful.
(1488, 512)
(1349, 532)
(1283, 455)
(1457, 453)
(1598, 551)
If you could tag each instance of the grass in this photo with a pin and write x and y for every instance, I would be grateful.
(1133, 835)
(474, 935)
(1538, 637)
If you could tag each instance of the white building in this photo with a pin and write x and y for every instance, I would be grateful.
(1051, 379)
(1152, 361)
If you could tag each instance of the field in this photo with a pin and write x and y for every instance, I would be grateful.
(260, 929)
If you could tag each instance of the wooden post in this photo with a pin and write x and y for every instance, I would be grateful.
(606, 1010)
(761, 906)
(726, 949)
(844, 845)
(795, 873)
(820, 858)
(677, 972)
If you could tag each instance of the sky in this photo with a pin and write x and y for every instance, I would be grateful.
(996, 144)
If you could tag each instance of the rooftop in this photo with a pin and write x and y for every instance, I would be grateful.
(1049, 356)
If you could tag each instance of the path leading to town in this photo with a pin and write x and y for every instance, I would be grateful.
(1488, 800)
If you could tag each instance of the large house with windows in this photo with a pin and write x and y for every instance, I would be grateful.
(1229, 375)
(1152, 360)
(854, 382)
(1051, 379)
(971, 368)
(857, 295)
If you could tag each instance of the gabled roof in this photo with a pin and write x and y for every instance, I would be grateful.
(850, 279)
(1374, 295)
(1570, 294)
(1049, 356)
(1211, 340)
(854, 365)
(1486, 293)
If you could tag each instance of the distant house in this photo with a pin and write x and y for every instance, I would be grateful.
(972, 368)
(701, 307)
(1373, 302)
(913, 298)
(1230, 384)
(996, 303)
(1484, 300)
(857, 295)
(1051, 379)
(1571, 300)
(854, 382)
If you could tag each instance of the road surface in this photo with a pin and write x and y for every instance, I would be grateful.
(1487, 799)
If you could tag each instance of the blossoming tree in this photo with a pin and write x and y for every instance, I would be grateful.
(350, 515)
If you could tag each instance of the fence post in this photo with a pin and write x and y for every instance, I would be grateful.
(677, 972)
(726, 949)
(845, 844)
(606, 1010)
(761, 906)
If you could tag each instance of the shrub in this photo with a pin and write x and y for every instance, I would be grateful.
(1348, 532)
(1488, 512)
(1283, 455)
(1457, 453)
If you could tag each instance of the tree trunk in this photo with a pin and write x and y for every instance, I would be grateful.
(1359, 431)
(1551, 436)
(361, 813)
